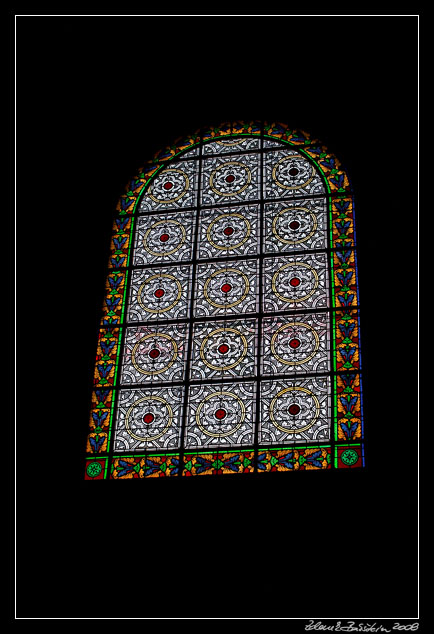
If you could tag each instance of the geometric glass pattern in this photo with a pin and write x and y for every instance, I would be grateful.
(230, 337)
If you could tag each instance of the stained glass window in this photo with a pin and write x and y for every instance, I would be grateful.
(229, 341)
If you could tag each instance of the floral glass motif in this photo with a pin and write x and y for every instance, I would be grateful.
(224, 349)
(163, 238)
(230, 179)
(159, 294)
(148, 419)
(171, 188)
(224, 288)
(221, 415)
(288, 174)
(298, 344)
(229, 232)
(296, 409)
(154, 354)
(230, 335)
(296, 225)
(294, 282)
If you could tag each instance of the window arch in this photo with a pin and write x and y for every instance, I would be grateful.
(229, 341)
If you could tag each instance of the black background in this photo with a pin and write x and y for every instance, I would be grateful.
(97, 97)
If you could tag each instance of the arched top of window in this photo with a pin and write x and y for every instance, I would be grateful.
(241, 137)
(229, 341)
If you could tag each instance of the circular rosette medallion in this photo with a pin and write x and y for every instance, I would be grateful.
(220, 414)
(349, 457)
(228, 231)
(148, 418)
(169, 186)
(294, 225)
(295, 343)
(154, 353)
(295, 282)
(223, 349)
(226, 288)
(293, 172)
(230, 179)
(159, 293)
(94, 469)
(294, 410)
(164, 237)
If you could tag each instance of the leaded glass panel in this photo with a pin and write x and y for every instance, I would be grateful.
(224, 349)
(224, 288)
(298, 281)
(159, 293)
(230, 179)
(296, 226)
(297, 344)
(221, 415)
(163, 238)
(148, 419)
(154, 354)
(172, 187)
(289, 174)
(295, 411)
(230, 335)
(229, 231)
(231, 145)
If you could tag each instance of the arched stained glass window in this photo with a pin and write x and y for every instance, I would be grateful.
(229, 341)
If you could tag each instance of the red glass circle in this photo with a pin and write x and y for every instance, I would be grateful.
(295, 281)
(293, 171)
(220, 413)
(226, 288)
(294, 409)
(230, 178)
(159, 293)
(154, 354)
(294, 343)
(168, 185)
(148, 418)
(294, 224)
(164, 237)
(223, 348)
(228, 231)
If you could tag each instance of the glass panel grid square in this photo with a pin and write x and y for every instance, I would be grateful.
(229, 232)
(296, 344)
(289, 174)
(158, 294)
(295, 411)
(163, 238)
(174, 186)
(295, 226)
(154, 354)
(221, 415)
(226, 288)
(296, 282)
(148, 419)
(224, 349)
(230, 179)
